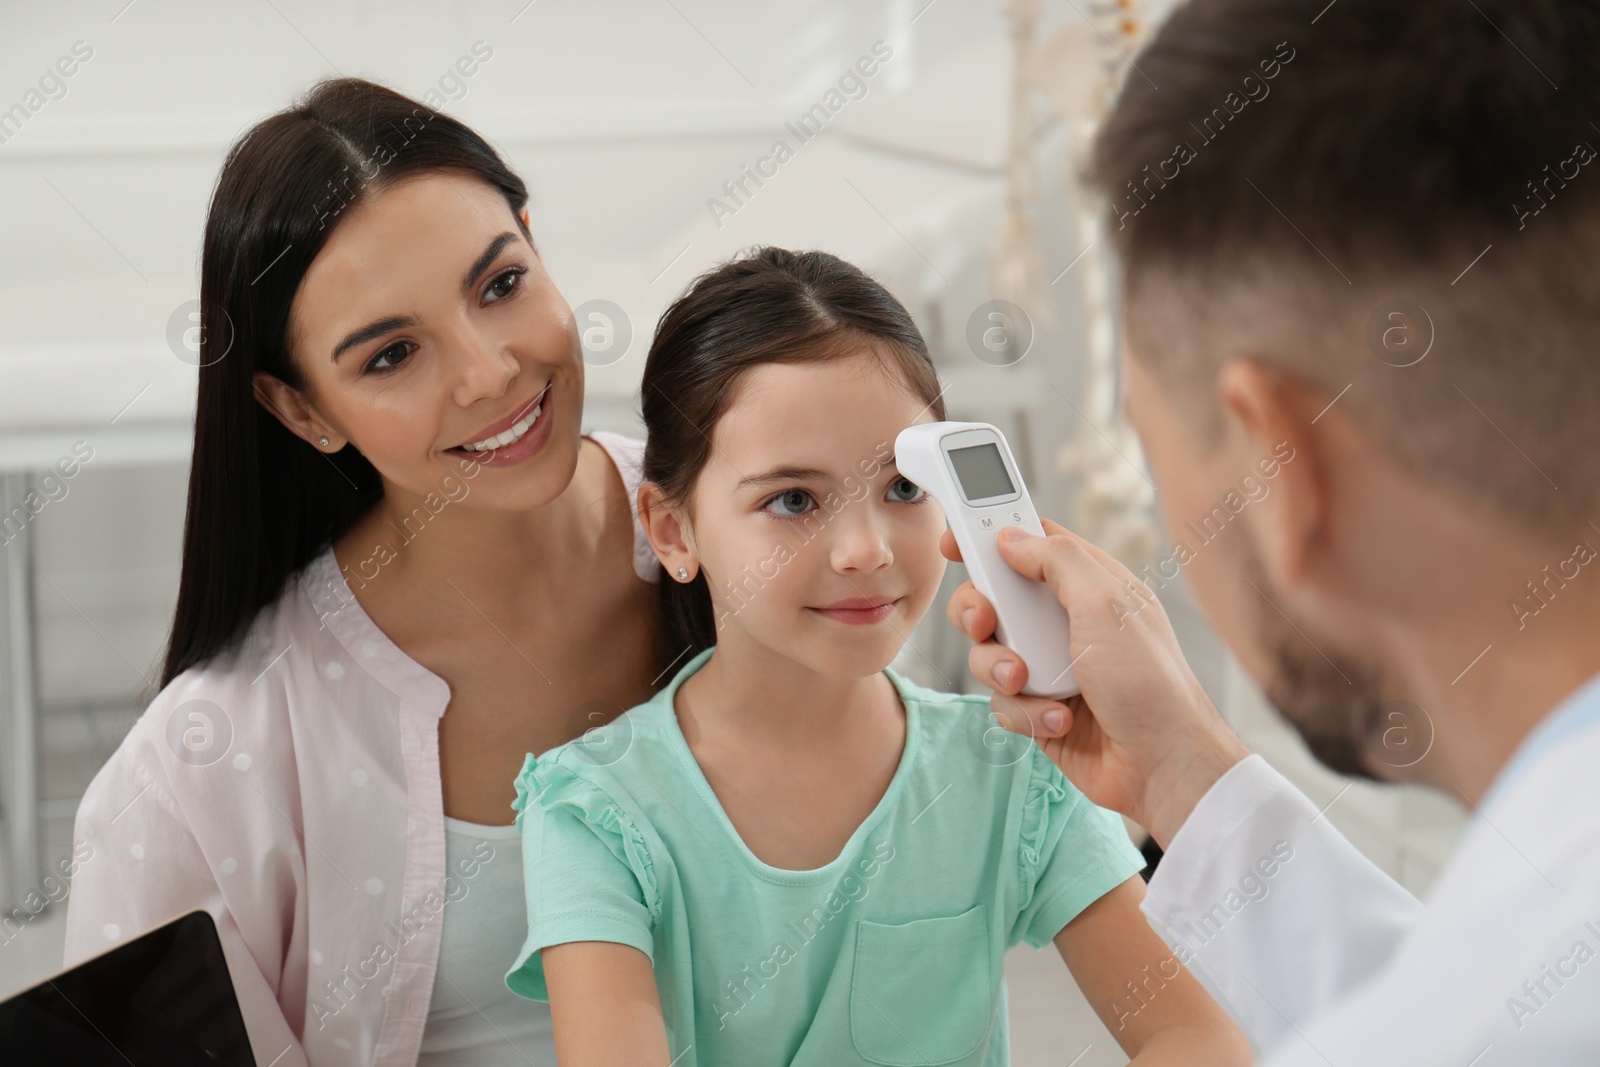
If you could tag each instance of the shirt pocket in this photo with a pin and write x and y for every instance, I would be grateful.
(922, 992)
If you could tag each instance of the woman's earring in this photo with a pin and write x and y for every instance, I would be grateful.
(323, 441)
(683, 575)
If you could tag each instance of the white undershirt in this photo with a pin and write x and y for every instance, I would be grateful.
(473, 1018)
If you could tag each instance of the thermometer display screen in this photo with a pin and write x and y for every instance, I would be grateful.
(982, 472)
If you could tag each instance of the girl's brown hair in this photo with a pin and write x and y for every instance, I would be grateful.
(769, 306)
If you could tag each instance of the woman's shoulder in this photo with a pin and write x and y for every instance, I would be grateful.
(245, 707)
(207, 710)
(627, 453)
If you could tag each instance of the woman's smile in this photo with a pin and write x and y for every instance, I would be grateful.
(513, 438)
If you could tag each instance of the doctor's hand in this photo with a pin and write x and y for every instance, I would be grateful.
(1142, 738)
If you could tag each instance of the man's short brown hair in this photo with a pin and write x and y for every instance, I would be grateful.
(1325, 188)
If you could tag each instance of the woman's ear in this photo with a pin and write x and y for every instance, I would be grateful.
(289, 407)
(669, 533)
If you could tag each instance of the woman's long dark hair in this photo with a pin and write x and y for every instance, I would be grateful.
(261, 500)
(770, 306)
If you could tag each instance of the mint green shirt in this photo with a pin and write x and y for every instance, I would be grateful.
(891, 954)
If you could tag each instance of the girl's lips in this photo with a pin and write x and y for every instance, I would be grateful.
(858, 616)
(528, 445)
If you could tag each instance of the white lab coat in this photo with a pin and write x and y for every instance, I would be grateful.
(1325, 960)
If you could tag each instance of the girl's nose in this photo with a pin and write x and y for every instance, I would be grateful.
(862, 540)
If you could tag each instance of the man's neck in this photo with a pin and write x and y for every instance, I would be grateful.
(1488, 678)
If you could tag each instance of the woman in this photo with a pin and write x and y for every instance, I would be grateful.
(404, 569)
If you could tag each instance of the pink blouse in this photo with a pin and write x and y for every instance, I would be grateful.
(292, 790)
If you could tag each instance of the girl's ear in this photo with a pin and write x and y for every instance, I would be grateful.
(289, 407)
(670, 534)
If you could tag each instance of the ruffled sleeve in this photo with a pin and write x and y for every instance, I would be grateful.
(557, 787)
(588, 869)
(1070, 852)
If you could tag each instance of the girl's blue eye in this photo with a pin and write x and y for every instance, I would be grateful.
(790, 498)
(390, 358)
(912, 491)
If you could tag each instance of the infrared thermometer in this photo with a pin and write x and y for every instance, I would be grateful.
(968, 468)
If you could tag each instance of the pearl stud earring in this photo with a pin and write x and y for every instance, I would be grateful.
(683, 575)
(323, 441)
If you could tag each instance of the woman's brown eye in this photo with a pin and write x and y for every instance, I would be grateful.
(505, 284)
(390, 357)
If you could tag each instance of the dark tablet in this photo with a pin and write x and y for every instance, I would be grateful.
(163, 998)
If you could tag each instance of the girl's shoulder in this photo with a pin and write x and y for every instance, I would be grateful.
(961, 728)
(935, 698)
(635, 746)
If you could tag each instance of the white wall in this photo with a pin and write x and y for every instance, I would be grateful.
(624, 117)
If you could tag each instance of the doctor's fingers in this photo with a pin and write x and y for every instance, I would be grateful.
(1020, 714)
(1032, 717)
(1073, 568)
(1095, 589)
(948, 546)
(997, 667)
(970, 612)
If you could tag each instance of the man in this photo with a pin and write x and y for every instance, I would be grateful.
(1360, 245)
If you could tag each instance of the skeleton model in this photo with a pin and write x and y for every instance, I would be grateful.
(1075, 71)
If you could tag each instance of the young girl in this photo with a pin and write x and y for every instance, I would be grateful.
(792, 854)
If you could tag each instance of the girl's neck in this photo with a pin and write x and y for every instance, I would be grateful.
(749, 691)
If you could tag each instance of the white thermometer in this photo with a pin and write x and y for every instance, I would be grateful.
(968, 468)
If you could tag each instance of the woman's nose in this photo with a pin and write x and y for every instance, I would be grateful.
(484, 367)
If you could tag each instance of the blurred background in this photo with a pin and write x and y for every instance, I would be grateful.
(648, 132)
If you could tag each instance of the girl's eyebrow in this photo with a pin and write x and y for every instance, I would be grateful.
(783, 474)
(795, 474)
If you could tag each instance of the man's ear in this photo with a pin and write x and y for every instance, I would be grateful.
(1273, 417)
(289, 407)
(669, 534)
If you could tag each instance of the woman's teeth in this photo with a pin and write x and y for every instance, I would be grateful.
(511, 436)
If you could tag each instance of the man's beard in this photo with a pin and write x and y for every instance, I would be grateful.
(1333, 702)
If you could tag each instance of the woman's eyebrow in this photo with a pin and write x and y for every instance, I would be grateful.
(371, 331)
(481, 264)
(394, 322)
